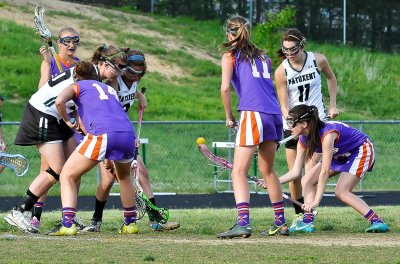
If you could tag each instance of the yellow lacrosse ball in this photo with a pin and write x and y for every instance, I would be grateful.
(201, 140)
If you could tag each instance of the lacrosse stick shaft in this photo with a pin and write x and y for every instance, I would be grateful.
(284, 195)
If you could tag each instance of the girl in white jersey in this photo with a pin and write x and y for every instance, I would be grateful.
(42, 126)
(298, 81)
(127, 89)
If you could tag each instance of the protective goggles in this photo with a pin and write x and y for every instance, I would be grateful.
(117, 69)
(134, 72)
(68, 40)
(292, 122)
(292, 50)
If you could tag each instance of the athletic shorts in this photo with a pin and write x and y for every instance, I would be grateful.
(255, 128)
(119, 146)
(291, 144)
(37, 127)
(357, 162)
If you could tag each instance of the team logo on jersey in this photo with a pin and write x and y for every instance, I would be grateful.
(302, 78)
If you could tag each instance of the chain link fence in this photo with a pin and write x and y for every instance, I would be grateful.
(175, 164)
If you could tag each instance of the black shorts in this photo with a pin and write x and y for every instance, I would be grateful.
(37, 127)
(291, 144)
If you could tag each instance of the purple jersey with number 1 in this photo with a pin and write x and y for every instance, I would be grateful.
(103, 116)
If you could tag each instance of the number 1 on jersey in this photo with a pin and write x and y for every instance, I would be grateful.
(265, 72)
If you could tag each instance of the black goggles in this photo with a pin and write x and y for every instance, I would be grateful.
(134, 72)
(306, 116)
(67, 40)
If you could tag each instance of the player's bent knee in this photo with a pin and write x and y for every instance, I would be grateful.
(53, 176)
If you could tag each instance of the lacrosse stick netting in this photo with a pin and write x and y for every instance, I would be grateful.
(44, 31)
(18, 163)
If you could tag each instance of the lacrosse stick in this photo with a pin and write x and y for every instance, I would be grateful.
(142, 201)
(135, 171)
(45, 32)
(224, 164)
(16, 162)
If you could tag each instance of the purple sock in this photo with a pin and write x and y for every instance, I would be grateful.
(129, 215)
(372, 217)
(243, 211)
(279, 211)
(68, 216)
(308, 218)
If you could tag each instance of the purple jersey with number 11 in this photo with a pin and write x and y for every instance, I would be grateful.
(253, 85)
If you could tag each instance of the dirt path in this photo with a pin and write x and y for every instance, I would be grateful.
(21, 12)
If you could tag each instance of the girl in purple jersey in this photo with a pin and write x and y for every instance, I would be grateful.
(260, 125)
(345, 151)
(68, 41)
(42, 126)
(99, 110)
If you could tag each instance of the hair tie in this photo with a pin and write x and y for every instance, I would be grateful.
(136, 58)
(105, 46)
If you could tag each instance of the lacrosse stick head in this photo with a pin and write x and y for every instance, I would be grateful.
(38, 19)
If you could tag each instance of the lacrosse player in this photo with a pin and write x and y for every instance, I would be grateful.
(260, 124)
(298, 81)
(68, 42)
(42, 126)
(127, 88)
(345, 151)
(99, 109)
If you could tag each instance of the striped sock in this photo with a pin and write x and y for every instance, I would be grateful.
(279, 211)
(243, 211)
(308, 218)
(372, 217)
(129, 215)
(68, 218)
(37, 210)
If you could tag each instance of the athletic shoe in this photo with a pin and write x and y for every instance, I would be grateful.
(35, 225)
(275, 230)
(236, 231)
(377, 228)
(297, 218)
(19, 219)
(63, 231)
(128, 229)
(156, 226)
(79, 224)
(94, 226)
(303, 228)
(155, 216)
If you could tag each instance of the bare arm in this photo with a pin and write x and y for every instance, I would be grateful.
(281, 89)
(66, 95)
(295, 172)
(227, 71)
(142, 100)
(325, 68)
(327, 153)
(45, 66)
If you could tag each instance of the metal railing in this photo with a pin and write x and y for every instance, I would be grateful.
(176, 166)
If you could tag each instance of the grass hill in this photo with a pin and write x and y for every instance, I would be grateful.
(183, 61)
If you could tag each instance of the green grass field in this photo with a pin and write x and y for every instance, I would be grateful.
(339, 238)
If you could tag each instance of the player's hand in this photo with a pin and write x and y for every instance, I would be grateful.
(261, 183)
(308, 207)
(333, 113)
(230, 123)
(45, 53)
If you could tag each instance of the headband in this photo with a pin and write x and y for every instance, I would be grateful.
(136, 58)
